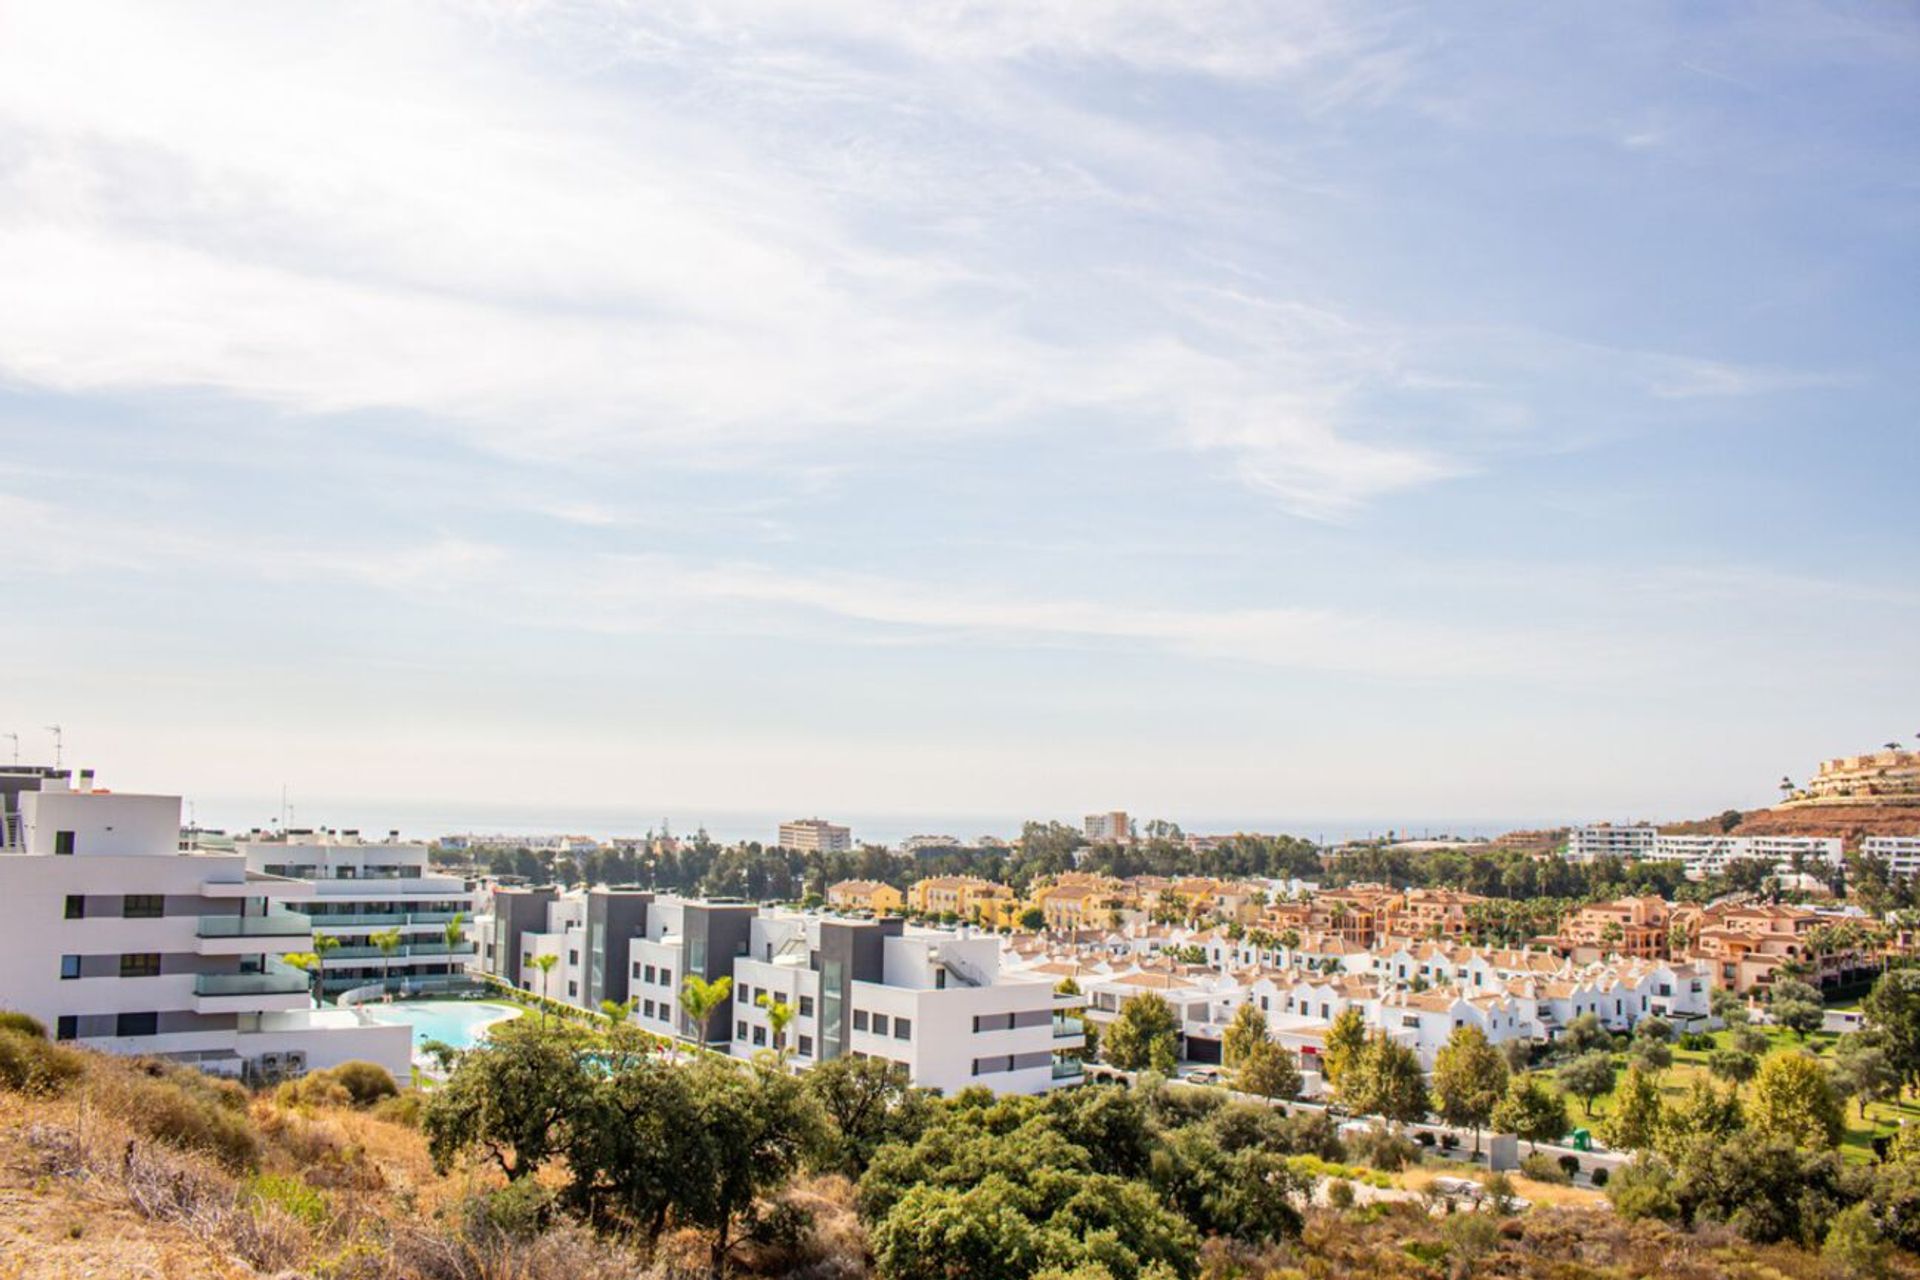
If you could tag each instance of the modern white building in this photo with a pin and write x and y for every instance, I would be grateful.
(1706, 855)
(1585, 844)
(360, 889)
(937, 1002)
(1900, 853)
(117, 939)
(815, 835)
(1109, 828)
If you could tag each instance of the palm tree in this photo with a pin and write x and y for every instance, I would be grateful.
(545, 965)
(389, 942)
(308, 963)
(454, 934)
(699, 998)
(779, 1014)
(323, 943)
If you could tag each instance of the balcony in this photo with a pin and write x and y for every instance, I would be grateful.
(1068, 1069)
(275, 924)
(407, 951)
(277, 981)
(1065, 1027)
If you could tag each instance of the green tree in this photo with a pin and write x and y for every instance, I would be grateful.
(699, 999)
(511, 1098)
(1796, 1006)
(868, 1102)
(1791, 1098)
(1583, 1035)
(1268, 1070)
(1702, 1112)
(1248, 1028)
(1855, 1245)
(1469, 1080)
(1862, 1070)
(750, 1129)
(1385, 1080)
(1144, 1022)
(455, 934)
(626, 1142)
(388, 940)
(1345, 1038)
(780, 1015)
(1635, 1120)
(1892, 1008)
(1588, 1076)
(545, 965)
(1735, 1065)
(1532, 1111)
(1033, 919)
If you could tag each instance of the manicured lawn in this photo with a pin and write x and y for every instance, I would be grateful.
(1883, 1118)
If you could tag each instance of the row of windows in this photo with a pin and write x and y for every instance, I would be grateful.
(133, 906)
(751, 996)
(758, 1036)
(133, 964)
(877, 1023)
(67, 1026)
(660, 977)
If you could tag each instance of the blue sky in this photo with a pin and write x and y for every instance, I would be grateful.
(1224, 411)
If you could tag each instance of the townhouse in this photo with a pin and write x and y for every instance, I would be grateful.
(875, 897)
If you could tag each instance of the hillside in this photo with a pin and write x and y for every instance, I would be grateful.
(124, 1168)
(1853, 823)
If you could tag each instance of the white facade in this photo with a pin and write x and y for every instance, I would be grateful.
(118, 940)
(1585, 844)
(1707, 855)
(1109, 828)
(1900, 853)
(358, 889)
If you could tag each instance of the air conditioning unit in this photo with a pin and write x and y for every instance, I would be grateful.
(296, 1062)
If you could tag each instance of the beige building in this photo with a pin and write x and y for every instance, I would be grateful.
(811, 835)
(1889, 778)
(875, 896)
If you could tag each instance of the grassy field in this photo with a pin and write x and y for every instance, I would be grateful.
(1882, 1118)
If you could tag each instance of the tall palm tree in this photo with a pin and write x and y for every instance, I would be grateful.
(699, 998)
(323, 944)
(454, 933)
(389, 943)
(779, 1014)
(545, 965)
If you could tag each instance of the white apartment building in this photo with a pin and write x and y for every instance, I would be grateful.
(1109, 828)
(118, 940)
(812, 835)
(937, 1002)
(1900, 853)
(358, 889)
(1585, 844)
(1707, 855)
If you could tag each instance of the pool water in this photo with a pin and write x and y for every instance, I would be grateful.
(460, 1023)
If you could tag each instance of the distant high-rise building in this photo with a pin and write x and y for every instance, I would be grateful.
(813, 835)
(1109, 828)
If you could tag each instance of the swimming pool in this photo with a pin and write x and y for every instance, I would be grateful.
(460, 1023)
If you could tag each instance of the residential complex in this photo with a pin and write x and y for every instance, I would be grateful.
(361, 892)
(1109, 828)
(1878, 779)
(116, 938)
(1711, 855)
(812, 835)
(1900, 853)
(1585, 844)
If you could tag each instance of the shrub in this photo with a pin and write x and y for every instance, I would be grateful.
(183, 1108)
(1382, 1148)
(291, 1196)
(25, 1025)
(29, 1065)
(1598, 1177)
(365, 1082)
(1424, 1138)
(1696, 1041)
(1571, 1164)
(315, 1089)
(1544, 1168)
(1340, 1193)
(405, 1108)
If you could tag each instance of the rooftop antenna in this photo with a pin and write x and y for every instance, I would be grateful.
(16, 745)
(55, 730)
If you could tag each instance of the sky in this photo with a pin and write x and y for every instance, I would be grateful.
(1239, 413)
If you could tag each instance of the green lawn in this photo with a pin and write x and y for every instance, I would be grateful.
(1882, 1119)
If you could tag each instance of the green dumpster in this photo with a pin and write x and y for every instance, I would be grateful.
(1582, 1140)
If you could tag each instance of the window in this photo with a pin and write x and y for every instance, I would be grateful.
(646, 1008)
(666, 977)
(67, 1027)
(140, 964)
(806, 1006)
(63, 842)
(859, 1019)
(740, 1029)
(573, 990)
(69, 967)
(879, 1024)
(143, 906)
(902, 1029)
(137, 1024)
(806, 1046)
(76, 906)
(759, 1035)
(649, 972)
(573, 957)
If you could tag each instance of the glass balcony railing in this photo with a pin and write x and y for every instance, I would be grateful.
(279, 981)
(1063, 1027)
(1068, 1069)
(400, 953)
(330, 920)
(275, 924)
